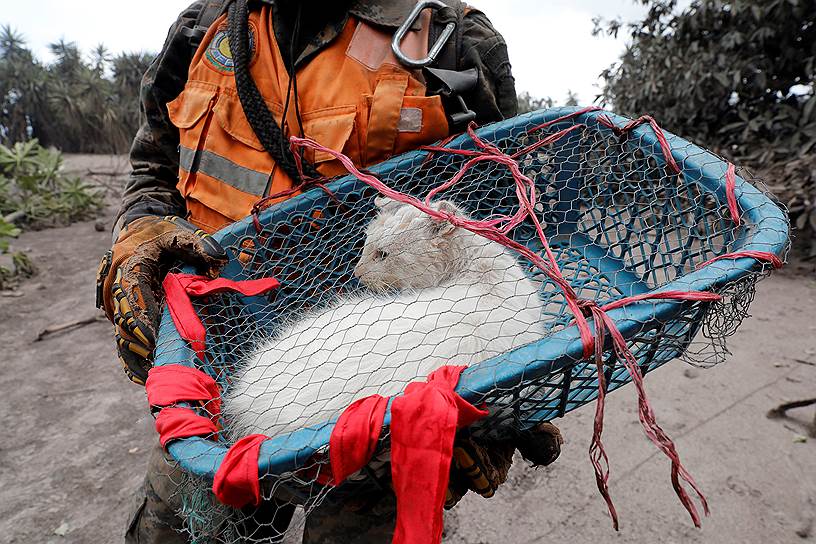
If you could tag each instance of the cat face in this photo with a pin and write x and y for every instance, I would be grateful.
(407, 249)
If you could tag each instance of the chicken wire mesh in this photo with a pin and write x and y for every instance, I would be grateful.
(620, 223)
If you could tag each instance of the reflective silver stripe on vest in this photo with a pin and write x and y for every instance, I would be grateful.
(223, 169)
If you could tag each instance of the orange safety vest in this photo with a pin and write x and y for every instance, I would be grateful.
(354, 97)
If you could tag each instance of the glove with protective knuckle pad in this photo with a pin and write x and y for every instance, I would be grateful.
(482, 466)
(130, 276)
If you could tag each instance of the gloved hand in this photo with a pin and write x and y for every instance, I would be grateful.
(128, 283)
(483, 467)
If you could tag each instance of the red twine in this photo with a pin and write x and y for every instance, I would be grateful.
(762, 256)
(730, 173)
(730, 193)
(642, 120)
(496, 228)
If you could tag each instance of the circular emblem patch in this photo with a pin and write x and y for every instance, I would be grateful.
(218, 54)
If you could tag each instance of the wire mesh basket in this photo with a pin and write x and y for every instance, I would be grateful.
(619, 221)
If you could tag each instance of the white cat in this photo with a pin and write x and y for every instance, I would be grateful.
(462, 299)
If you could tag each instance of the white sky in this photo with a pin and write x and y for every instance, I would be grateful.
(550, 44)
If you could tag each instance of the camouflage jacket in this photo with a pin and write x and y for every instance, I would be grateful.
(154, 155)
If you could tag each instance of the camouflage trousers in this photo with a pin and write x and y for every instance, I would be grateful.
(155, 519)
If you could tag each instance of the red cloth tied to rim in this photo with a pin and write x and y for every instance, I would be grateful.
(178, 288)
(237, 482)
(424, 422)
(171, 384)
(174, 423)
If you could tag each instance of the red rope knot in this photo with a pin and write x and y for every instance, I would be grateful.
(642, 120)
(450, 218)
(587, 306)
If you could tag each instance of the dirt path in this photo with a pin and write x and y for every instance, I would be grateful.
(77, 432)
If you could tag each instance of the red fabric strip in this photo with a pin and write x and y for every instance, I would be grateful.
(179, 287)
(237, 482)
(171, 384)
(173, 423)
(762, 256)
(355, 435)
(184, 315)
(423, 425)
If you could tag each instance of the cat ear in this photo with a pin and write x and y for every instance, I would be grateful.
(445, 228)
(448, 207)
(382, 202)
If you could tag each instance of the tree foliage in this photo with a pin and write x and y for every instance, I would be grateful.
(528, 102)
(734, 75)
(75, 103)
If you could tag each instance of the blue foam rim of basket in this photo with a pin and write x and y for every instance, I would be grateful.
(284, 454)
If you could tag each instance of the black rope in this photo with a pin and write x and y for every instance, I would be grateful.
(291, 88)
(257, 113)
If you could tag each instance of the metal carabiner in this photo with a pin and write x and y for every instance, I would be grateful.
(406, 26)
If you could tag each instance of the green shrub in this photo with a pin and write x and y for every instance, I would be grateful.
(35, 192)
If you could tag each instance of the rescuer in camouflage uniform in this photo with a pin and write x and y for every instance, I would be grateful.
(149, 234)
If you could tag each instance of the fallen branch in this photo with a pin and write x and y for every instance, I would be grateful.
(65, 327)
(13, 217)
(781, 412)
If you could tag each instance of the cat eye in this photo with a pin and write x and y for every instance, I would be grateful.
(380, 255)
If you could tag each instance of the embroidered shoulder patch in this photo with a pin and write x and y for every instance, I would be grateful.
(218, 54)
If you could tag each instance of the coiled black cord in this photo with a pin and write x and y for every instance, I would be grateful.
(255, 109)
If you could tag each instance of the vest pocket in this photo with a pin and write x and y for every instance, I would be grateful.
(223, 167)
(332, 129)
(190, 113)
(230, 116)
(422, 121)
(191, 105)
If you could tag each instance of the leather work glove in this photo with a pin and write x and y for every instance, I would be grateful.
(484, 467)
(128, 283)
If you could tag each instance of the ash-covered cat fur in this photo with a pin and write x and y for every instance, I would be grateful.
(439, 295)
